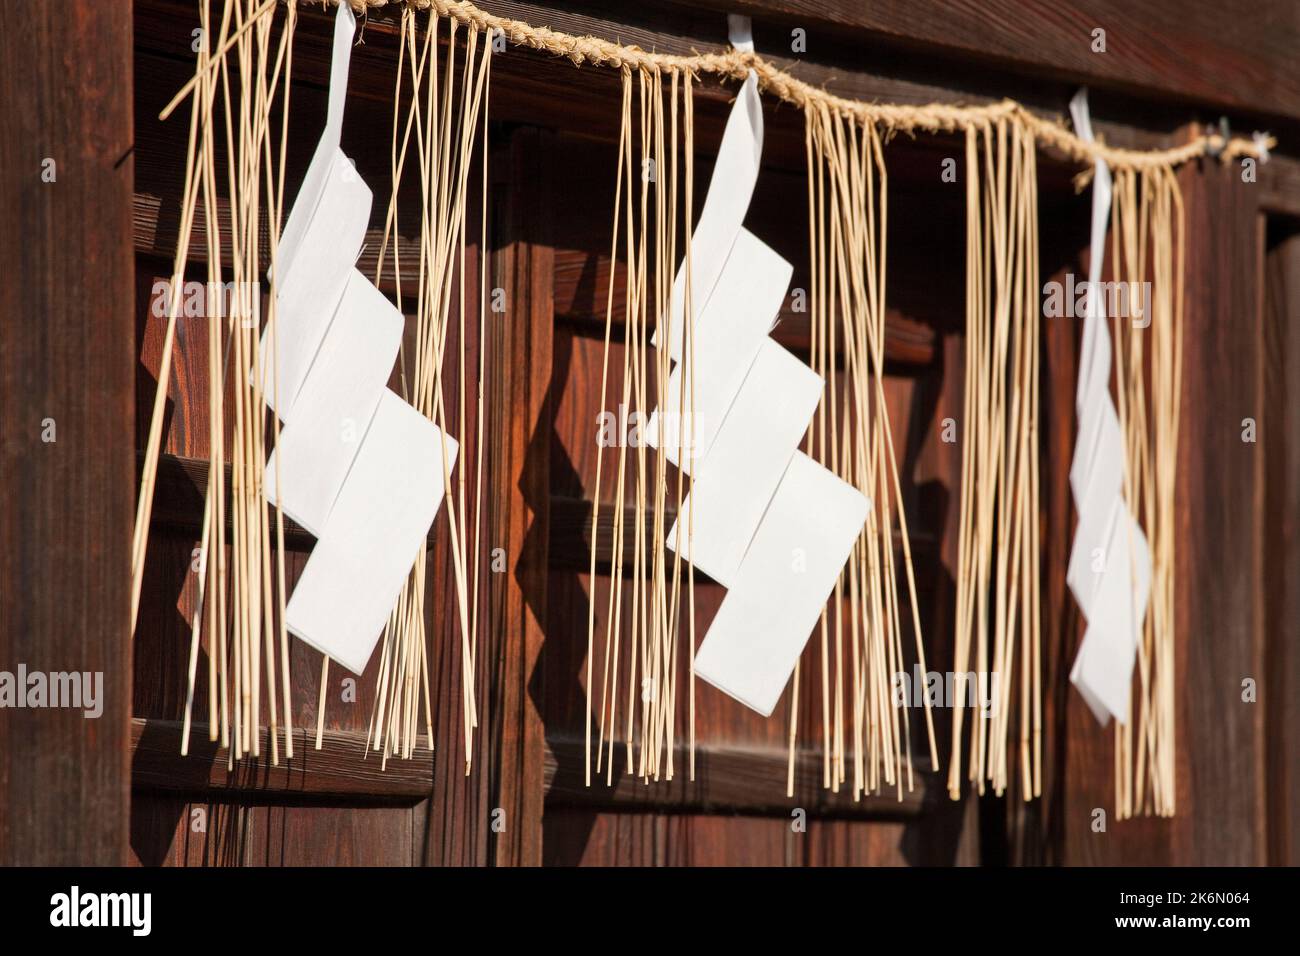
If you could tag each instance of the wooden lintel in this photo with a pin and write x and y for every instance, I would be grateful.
(341, 768)
(732, 780)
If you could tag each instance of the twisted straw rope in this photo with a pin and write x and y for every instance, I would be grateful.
(736, 64)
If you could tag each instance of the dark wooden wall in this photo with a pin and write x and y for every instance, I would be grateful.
(1280, 357)
(552, 170)
(66, 406)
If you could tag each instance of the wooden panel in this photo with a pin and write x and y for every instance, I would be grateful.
(341, 768)
(1219, 554)
(692, 839)
(719, 841)
(65, 371)
(543, 90)
(172, 831)
(520, 396)
(1279, 682)
(730, 779)
(586, 838)
(1035, 51)
(1279, 185)
(178, 501)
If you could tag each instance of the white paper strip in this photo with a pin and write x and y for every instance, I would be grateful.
(313, 282)
(1096, 482)
(336, 404)
(1110, 564)
(1103, 668)
(740, 32)
(777, 596)
(728, 333)
(358, 466)
(752, 494)
(730, 189)
(320, 243)
(371, 539)
(309, 194)
(731, 492)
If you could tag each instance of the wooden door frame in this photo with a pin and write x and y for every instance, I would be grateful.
(66, 365)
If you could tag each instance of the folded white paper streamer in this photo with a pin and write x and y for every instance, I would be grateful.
(359, 467)
(730, 189)
(336, 404)
(373, 535)
(312, 283)
(740, 32)
(1110, 563)
(732, 326)
(761, 519)
(731, 491)
(309, 195)
(319, 246)
(776, 598)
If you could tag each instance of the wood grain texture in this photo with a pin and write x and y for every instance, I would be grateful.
(66, 412)
(1278, 185)
(341, 768)
(179, 501)
(1280, 444)
(452, 828)
(172, 830)
(1219, 556)
(731, 779)
(738, 745)
(519, 386)
(1233, 55)
(543, 90)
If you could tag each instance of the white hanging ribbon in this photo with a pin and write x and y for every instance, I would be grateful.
(740, 32)
(773, 526)
(362, 470)
(1110, 562)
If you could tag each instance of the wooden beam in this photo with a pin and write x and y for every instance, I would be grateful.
(67, 416)
(341, 768)
(1035, 51)
(156, 230)
(879, 66)
(582, 280)
(730, 779)
(1236, 55)
(578, 277)
(570, 539)
(181, 490)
